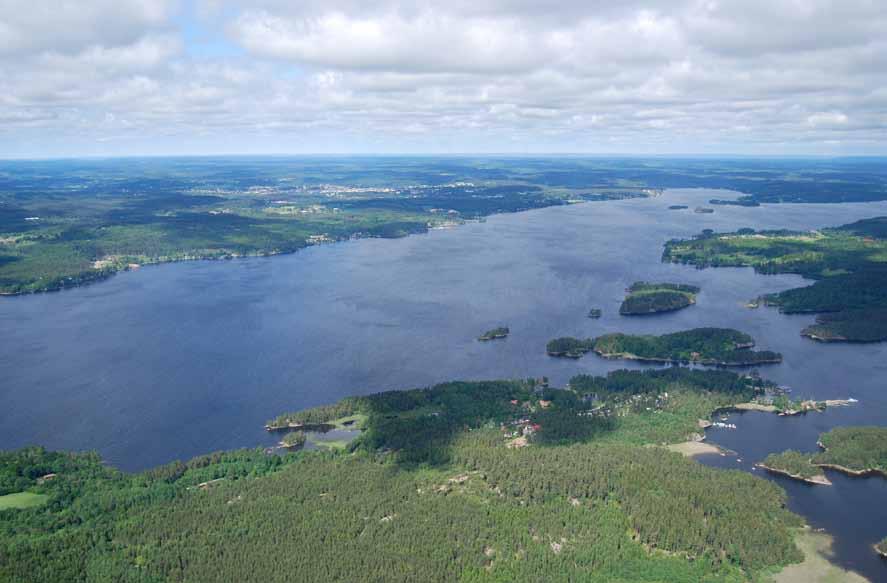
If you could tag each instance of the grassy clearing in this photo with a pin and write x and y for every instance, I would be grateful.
(350, 422)
(21, 500)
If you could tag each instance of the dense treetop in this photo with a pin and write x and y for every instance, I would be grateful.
(848, 264)
(713, 346)
(436, 488)
(653, 298)
(858, 449)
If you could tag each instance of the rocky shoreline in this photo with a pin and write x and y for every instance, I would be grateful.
(666, 360)
(819, 479)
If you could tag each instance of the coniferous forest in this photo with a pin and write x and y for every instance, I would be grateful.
(849, 291)
(480, 481)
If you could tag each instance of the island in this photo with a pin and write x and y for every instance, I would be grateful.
(569, 347)
(795, 465)
(595, 313)
(507, 479)
(734, 202)
(708, 346)
(494, 334)
(678, 207)
(881, 548)
(849, 289)
(653, 298)
(293, 440)
(703, 210)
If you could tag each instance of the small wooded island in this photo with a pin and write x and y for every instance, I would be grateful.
(494, 334)
(653, 298)
(293, 440)
(595, 313)
(881, 548)
(709, 346)
(678, 207)
(856, 451)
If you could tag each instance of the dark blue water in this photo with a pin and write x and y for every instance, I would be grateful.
(177, 360)
(853, 510)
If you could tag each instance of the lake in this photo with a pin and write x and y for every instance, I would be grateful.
(177, 360)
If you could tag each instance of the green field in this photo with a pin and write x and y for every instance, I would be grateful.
(20, 500)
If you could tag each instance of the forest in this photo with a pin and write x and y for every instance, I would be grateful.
(857, 449)
(652, 298)
(848, 265)
(434, 489)
(569, 347)
(710, 346)
(293, 439)
(793, 463)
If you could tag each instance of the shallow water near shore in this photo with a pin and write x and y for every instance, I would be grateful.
(177, 360)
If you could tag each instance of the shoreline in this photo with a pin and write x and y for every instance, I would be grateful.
(694, 448)
(815, 407)
(98, 276)
(109, 272)
(665, 360)
(854, 473)
(864, 473)
(819, 479)
(816, 545)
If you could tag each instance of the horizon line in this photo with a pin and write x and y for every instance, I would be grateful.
(696, 155)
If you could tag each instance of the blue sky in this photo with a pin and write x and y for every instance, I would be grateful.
(157, 77)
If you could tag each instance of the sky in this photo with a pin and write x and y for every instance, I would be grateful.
(663, 77)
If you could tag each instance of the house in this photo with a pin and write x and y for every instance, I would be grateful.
(46, 478)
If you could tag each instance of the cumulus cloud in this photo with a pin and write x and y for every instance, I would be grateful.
(65, 26)
(646, 76)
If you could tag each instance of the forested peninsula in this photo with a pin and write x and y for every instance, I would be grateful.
(848, 265)
(496, 480)
(709, 346)
(856, 451)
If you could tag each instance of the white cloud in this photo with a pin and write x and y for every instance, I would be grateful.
(830, 118)
(427, 42)
(461, 75)
(63, 26)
